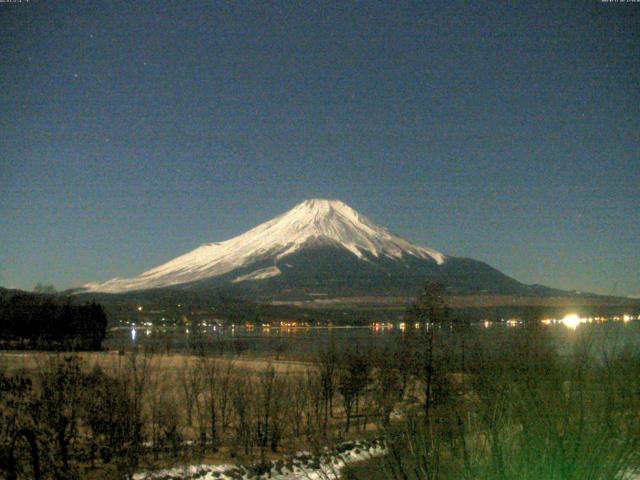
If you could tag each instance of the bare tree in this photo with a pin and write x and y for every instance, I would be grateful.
(190, 381)
(11, 462)
(61, 387)
(315, 422)
(215, 399)
(298, 389)
(327, 366)
(430, 311)
(242, 406)
(132, 376)
(224, 397)
(353, 376)
(388, 384)
(269, 411)
(18, 422)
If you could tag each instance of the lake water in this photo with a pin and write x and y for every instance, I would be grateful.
(306, 342)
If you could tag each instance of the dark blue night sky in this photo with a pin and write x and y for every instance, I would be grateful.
(131, 132)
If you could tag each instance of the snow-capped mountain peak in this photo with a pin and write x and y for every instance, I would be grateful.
(336, 221)
(315, 221)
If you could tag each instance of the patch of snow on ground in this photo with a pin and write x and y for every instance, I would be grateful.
(303, 465)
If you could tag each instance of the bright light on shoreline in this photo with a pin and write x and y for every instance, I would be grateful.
(571, 321)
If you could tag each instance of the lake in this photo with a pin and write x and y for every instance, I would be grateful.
(304, 342)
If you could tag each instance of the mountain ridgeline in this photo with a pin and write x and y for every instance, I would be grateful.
(319, 249)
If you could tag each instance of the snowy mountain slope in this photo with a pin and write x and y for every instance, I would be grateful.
(311, 224)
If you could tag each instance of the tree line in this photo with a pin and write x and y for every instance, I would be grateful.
(45, 322)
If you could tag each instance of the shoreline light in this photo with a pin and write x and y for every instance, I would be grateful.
(571, 321)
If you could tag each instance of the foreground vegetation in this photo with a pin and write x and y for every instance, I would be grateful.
(520, 411)
(137, 411)
(449, 403)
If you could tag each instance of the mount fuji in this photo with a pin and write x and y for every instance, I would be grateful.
(318, 248)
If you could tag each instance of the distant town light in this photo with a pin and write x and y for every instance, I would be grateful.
(140, 308)
(571, 321)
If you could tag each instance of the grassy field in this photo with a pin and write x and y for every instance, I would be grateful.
(141, 410)
(29, 361)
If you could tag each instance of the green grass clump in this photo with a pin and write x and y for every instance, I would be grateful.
(523, 412)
